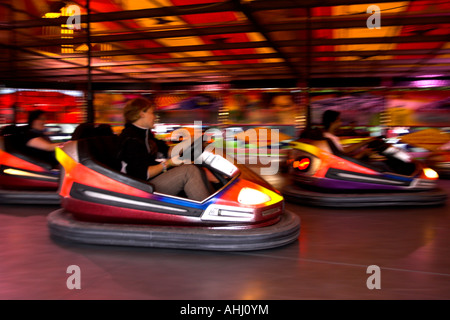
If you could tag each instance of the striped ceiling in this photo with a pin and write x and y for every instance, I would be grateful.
(166, 41)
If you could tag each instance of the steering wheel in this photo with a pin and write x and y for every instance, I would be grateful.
(378, 144)
(195, 153)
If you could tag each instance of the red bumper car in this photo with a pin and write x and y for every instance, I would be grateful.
(25, 179)
(324, 176)
(101, 205)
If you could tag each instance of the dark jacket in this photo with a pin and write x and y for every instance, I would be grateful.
(47, 156)
(136, 153)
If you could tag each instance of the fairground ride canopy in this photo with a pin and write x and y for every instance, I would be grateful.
(176, 41)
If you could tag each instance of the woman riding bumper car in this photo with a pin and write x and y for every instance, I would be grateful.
(104, 204)
(29, 172)
(325, 175)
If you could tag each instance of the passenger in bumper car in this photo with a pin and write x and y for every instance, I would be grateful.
(139, 151)
(331, 121)
(36, 142)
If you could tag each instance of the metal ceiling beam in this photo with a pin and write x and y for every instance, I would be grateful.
(176, 11)
(257, 68)
(379, 40)
(413, 62)
(343, 69)
(368, 74)
(290, 4)
(148, 75)
(228, 77)
(236, 71)
(372, 53)
(127, 15)
(153, 79)
(262, 30)
(359, 21)
(39, 58)
(145, 35)
(257, 56)
(19, 49)
(294, 61)
(267, 44)
(301, 24)
(186, 10)
(284, 43)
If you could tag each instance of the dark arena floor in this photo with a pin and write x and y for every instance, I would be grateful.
(329, 261)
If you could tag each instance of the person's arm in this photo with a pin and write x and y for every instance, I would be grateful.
(134, 153)
(153, 171)
(363, 153)
(41, 143)
(355, 146)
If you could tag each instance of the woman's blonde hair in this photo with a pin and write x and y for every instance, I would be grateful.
(133, 108)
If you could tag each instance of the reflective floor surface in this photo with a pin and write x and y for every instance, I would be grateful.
(330, 260)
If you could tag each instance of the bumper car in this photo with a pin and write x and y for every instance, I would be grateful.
(437, 142)
(324, 176)
(101, 205)
(440, 162)
(25, 179)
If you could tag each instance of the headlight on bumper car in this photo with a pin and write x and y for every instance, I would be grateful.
(430, 173)
(250, 196)
(224, 213)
